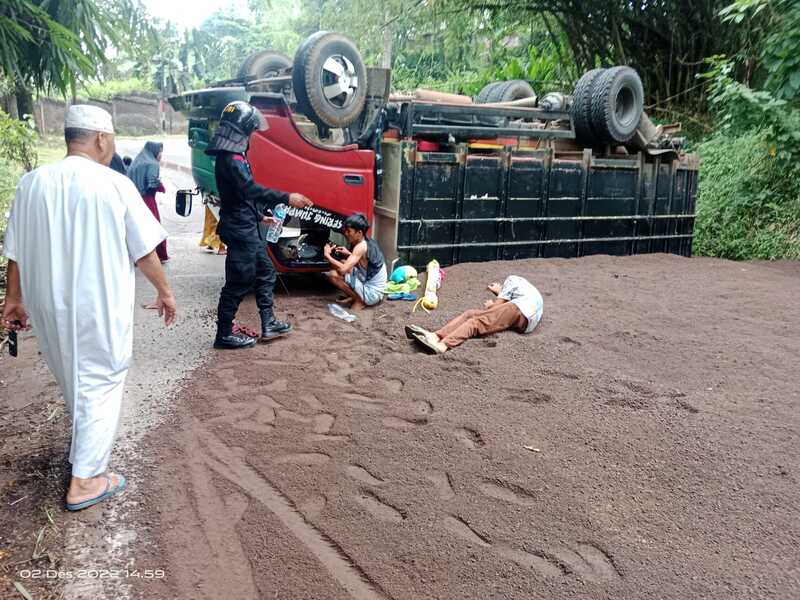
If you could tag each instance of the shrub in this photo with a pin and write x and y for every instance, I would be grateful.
(18, 141)
(106, 90)
(17, 153)
(749, 200)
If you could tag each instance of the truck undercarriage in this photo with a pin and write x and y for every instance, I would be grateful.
(443, 177)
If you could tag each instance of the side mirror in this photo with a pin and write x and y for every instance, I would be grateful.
(183, 202)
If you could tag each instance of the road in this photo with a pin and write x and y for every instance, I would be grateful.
(176, 150)
(162, 359)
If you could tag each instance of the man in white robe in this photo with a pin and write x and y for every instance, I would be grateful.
(76, 230)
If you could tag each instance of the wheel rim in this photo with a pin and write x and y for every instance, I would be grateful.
(339, 81)
(625, 106)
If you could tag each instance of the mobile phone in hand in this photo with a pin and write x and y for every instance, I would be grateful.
(13, 347)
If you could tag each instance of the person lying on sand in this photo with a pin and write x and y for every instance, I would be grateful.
(518, 306)
(362, 276)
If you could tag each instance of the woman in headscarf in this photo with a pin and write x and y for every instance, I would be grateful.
(145, 172)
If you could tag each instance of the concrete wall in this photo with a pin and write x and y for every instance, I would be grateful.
(133, 115)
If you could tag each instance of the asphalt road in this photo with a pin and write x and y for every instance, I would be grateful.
(176, 150)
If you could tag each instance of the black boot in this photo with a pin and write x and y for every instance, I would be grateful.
(227, 340)
(271, 327)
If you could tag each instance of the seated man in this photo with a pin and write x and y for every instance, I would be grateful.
(518, 306)
(362, 275)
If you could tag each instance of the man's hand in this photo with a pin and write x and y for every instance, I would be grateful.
(299, 201)
(151, 268)
(167, 308)
(14, 316)
(269, 220)
(495, 288)
(328, 249)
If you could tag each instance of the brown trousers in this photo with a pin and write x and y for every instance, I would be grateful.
(473, 323)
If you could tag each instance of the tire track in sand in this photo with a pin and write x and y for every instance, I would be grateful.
(333, 558)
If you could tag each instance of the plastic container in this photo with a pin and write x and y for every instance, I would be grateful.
(275, 228)
(340, 313)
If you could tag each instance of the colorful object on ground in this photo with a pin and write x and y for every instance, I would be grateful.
(435, 276)
(401, 296)
(394, 288)
(403, 274)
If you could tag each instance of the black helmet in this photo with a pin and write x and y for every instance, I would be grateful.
(244, 117)
(237, 122)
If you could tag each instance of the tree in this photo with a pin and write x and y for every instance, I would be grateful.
(778, 49)
(48, 45)
(665, 40)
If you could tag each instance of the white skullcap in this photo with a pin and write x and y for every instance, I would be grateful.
(86, 116)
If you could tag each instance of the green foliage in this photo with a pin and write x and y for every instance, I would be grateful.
(9, 176)
(18, 141)
(749, 201)
(17, 153)
(53, 44)
(779, 44)
(749, 198)
(227, 40)
(106, 90)
(540, 66)
(739, 109)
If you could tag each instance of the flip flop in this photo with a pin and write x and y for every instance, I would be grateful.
(401, 296)
(412, 330)
(104, 496)
(426, 344)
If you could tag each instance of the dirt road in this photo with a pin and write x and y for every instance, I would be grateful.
(35, 531)
(642, 443)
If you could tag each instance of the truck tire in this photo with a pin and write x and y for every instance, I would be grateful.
(617, 104)
(330, 80)
(483, 95)
(264, 64)
(508, 91)
(581, 109)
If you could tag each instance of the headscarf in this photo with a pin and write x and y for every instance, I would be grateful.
(145, 172)
(118, 165)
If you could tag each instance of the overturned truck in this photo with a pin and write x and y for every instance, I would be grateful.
(505, 175)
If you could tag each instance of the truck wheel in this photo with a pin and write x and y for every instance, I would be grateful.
(330, 80)
(508, 91)
(483, 95)
(267, 63)
(581, 109)
(617, 104)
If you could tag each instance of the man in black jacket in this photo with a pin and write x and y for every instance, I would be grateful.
(244, 215)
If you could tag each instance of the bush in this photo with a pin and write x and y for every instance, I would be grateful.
(9, 176)
(749, 200)
(17, 153)
(106, 90)
(18, 141)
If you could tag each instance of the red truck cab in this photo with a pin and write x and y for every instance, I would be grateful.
(340, 180)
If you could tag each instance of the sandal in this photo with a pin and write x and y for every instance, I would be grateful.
(108, 493)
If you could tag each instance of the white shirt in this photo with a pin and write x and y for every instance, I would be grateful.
(76, 228)
(521, 292)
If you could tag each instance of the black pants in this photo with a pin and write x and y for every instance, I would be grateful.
(247, 266)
